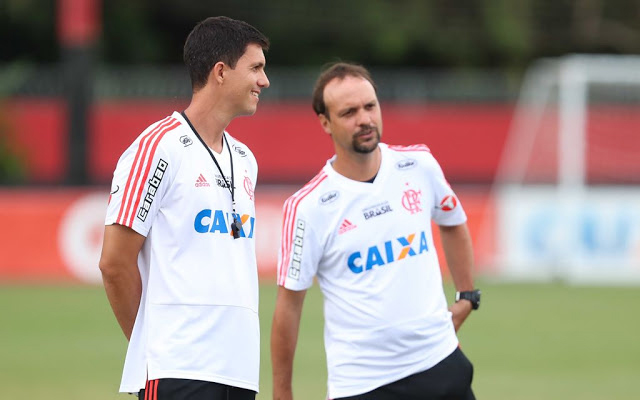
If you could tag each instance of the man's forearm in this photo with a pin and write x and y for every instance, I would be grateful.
(124, 290)
(120, 274)
(456, 243)
(284, 339)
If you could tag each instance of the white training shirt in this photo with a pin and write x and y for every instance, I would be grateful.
(371, 248)
(198, 316)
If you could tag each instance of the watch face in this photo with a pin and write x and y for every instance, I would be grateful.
(473, 296)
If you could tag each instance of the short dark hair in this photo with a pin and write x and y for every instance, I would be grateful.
(218, 39)
(338, 70)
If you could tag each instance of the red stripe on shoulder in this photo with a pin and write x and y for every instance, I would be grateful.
(137, 178)
(414, 147)
(153, 143)
(137, 161)
(288, 223)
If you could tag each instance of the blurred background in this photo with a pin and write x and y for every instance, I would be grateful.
(532, 108)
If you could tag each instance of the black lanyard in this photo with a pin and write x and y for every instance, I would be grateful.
(236, 225)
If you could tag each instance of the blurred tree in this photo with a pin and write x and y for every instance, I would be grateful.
(27, 29)
(509, 31)
(130, 36)
(12, 162)
(437, 33)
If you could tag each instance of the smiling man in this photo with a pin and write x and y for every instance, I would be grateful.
(178, 258)
(362, 227)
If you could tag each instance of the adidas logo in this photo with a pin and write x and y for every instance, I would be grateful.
(200, 182)
(346, 226)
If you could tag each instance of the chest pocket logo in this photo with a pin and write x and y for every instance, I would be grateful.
(329, 197)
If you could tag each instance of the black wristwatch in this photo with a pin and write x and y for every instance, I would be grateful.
(473, 296)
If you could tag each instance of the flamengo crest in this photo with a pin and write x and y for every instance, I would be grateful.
(248, 187)
(411, 200)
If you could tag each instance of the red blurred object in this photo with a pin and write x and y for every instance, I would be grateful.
(286, 138)
(78, 22)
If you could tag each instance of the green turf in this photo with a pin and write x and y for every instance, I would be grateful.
(527, 341)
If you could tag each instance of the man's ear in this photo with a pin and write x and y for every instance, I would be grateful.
(217, 73)
(326, 124)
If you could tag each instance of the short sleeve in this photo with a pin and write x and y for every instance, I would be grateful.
(300, 249)
(140, 181)
(447, 208)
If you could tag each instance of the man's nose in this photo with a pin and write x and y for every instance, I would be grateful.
(364, 118)
(263, 82)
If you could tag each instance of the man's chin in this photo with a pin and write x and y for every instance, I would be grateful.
(248, 112)
(366, 148)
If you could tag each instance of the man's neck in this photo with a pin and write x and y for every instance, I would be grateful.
(208, 121)
(357, 166)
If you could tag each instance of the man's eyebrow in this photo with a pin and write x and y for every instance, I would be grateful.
(346, 110)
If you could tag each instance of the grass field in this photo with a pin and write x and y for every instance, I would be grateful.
(528, 341)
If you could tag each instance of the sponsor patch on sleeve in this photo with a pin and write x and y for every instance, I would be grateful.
(154, 184)
(294, 269)
(448, 203)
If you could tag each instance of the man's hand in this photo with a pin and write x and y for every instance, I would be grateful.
(460, 310)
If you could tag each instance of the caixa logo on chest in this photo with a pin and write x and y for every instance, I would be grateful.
(388, 252)
(154, 184)
(218, 221)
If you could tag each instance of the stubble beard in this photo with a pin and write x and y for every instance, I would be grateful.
(366, 147)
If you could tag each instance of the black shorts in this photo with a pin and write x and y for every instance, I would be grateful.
(183, 389)
(450, 379)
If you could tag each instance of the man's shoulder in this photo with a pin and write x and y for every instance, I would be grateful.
(407, 149)
(409, 156)
(238, 148)
(167, 132)
(161, 138)
(311, 193)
